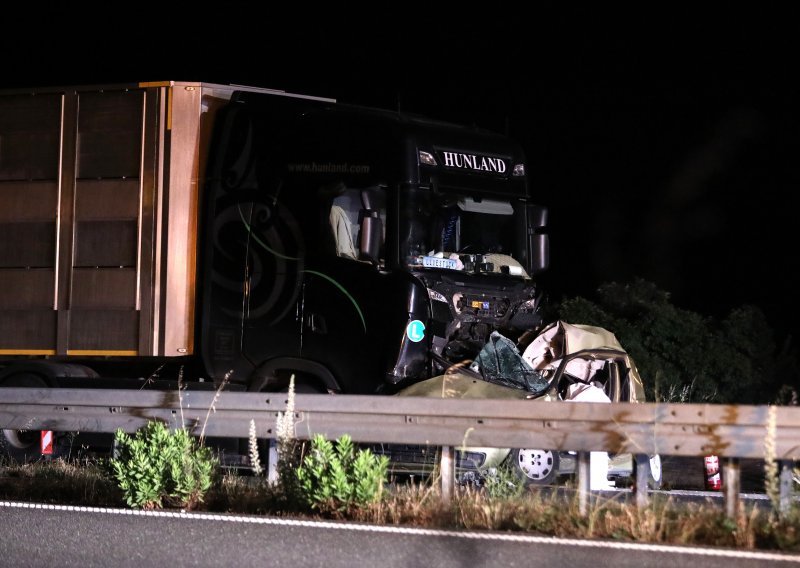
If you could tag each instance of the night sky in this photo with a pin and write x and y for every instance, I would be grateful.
(669, 155)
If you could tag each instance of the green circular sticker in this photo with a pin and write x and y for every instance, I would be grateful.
(415, 331)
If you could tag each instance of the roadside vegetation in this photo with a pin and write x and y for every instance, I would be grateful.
(685, 356)
(157, 467)
(419, 504)
(322, 479)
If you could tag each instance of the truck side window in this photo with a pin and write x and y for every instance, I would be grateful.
(353, 235)
(342, 232)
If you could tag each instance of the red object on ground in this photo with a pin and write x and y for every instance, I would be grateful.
(47, 442)
(713, 474)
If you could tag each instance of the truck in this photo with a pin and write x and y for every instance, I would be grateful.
(232, 236)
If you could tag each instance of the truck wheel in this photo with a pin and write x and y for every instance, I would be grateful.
(305, 383)
(535, 467)
(22, 446)
(655, 477)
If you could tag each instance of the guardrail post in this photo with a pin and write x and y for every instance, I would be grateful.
(584, 483)
(785, 484)
(272, 462)
(731, 482)
(642, 469)
(447, 473)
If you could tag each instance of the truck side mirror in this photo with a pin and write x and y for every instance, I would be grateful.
(370, 235)
(538, 242)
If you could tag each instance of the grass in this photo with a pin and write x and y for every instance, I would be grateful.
(418, 504)
(75, 482)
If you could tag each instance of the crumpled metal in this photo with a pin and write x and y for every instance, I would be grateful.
(500, 362)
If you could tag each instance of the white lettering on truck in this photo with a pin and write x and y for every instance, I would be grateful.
(474, 162)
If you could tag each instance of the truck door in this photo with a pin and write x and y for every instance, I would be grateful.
(344, 291)
(254, 249)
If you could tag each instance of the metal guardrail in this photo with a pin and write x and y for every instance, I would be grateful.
(729, 431)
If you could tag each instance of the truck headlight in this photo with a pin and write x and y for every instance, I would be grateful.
(438, 296)
(426, 158)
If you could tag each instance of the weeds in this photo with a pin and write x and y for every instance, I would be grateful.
(771, 473)
(335, 477)
(289, 453)
(419, 504)
(74, 482)
(255, 460)
(330, 480)
(502, 484)
(213, 406)
(157, 467)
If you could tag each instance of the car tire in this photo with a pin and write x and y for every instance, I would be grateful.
(22, 446)
(656, 476)
(534, 466)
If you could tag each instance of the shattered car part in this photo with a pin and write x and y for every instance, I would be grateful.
(499, 362)
(564, 362)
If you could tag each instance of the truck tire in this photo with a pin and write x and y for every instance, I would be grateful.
(655, 476)
(22, 446)
(534, 466)
(310, 377)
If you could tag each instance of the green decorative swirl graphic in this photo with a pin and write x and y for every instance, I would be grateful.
(343, 291)
(259, 241)
(320, 274)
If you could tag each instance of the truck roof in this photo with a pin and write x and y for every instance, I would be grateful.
(219, 89)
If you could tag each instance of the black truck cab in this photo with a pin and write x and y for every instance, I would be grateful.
(360, 249)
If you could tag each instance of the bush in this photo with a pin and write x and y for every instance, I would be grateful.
(157, 467)
(334, 477)
(682, 354)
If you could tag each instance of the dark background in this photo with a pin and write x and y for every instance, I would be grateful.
(664, 146)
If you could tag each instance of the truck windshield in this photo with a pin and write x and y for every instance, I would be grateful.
(458, 232)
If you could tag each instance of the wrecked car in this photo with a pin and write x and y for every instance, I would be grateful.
(564, 362)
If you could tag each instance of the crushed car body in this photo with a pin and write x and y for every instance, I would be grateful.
(563, 362)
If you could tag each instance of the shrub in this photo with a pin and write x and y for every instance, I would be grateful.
(157, 467)
(334, 477)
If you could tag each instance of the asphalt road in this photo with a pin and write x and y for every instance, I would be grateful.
(67, 536)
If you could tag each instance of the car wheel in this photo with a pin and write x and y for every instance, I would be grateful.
(22, 446)
(655, 477)
(535, 467)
